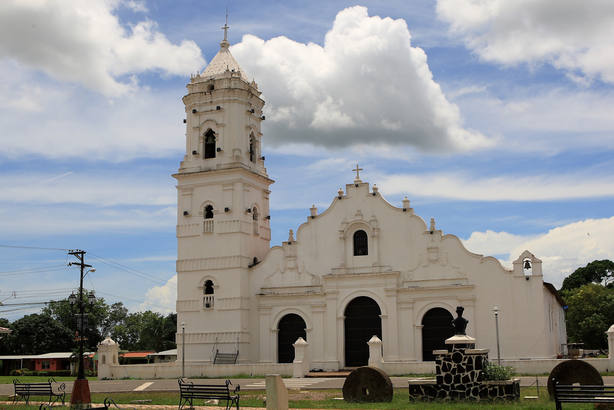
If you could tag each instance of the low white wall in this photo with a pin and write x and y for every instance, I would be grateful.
(540, 366)
(173, 370)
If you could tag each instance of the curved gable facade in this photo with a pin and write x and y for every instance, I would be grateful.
(360, 268)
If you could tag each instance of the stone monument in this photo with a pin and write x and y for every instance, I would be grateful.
(460, 372)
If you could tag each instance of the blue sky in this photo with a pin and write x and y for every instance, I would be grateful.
(495, 118)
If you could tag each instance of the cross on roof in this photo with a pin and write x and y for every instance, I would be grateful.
(357, 172)
(225, 28)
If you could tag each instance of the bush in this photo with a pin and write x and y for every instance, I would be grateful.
(495, 372)
(52, 373)
(21, 372)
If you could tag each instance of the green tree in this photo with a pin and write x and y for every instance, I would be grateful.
(117, 314)
(39, 333)
(590, 313)
(595, 272)
(146, 331)
(97, 314)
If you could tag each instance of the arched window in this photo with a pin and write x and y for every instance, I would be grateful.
(255, 219)
(209, 144)
(208, 212)
(208, 287)
(208, 291)
(361, 243)
(252, 148)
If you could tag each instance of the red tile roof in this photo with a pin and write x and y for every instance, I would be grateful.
(137, 354)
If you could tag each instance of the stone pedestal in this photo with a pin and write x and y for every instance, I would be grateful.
(460, 376)
(276, 393)
(300, 365)
(375, 352)
(610, 333)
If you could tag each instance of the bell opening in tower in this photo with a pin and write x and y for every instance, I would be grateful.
(209, 144)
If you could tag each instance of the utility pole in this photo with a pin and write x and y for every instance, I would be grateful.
(80, 397)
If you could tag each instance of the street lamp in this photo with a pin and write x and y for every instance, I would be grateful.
(496, 310)
(182, 350)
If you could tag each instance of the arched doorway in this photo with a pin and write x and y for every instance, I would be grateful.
(362, 321)
(436, 328)
(290, 328)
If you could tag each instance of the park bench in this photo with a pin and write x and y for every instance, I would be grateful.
(225, 358)
(565, 393)
(26, 390)
(190, 391)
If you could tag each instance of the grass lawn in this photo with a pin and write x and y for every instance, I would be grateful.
(325, 399)
(38, 379)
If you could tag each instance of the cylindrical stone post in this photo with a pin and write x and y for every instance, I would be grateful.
(375, 352)
(300, 365)
(610, 333)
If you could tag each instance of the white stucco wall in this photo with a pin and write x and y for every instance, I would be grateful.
(410, 267)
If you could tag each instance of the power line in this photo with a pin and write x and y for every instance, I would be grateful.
(28, 303)
(128, 269)
(34, 247)
(28, 271)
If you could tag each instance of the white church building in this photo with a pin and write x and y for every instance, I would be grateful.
(359, 268)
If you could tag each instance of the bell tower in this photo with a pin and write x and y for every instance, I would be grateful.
(222, 209)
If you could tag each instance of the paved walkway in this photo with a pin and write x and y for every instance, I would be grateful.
(153, 406)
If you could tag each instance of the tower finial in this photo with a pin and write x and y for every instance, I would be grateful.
(357, 169)
(225, 28)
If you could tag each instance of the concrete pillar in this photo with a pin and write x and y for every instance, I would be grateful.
(610, 334)
(300, 365)
(108, 355)
(375, 353)
(276, 393)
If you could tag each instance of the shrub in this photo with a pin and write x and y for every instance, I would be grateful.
(21, 372)
(495, 372)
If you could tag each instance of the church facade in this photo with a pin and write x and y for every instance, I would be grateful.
(362, 267)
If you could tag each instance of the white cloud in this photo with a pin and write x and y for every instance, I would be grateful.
(36, 221)
(82, 188)
(505, 188)
(494, 243)
(161, 298)
(543, 120)
(562, 249)
(71, 122)
(84, 42)
(570, 35)
(365, 85)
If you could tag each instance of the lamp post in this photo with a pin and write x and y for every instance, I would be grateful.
(80, 397)
(496, 310)
(182, 350)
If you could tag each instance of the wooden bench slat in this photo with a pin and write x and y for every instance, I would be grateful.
(565, 393)
(26, 390)
(190, 391)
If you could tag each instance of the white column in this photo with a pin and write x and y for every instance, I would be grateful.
(406, 340)
(265, 335)
(391, 321)
(375, 352)
(332, 336)
(418, 342)
(316, 337)
(300, 365)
